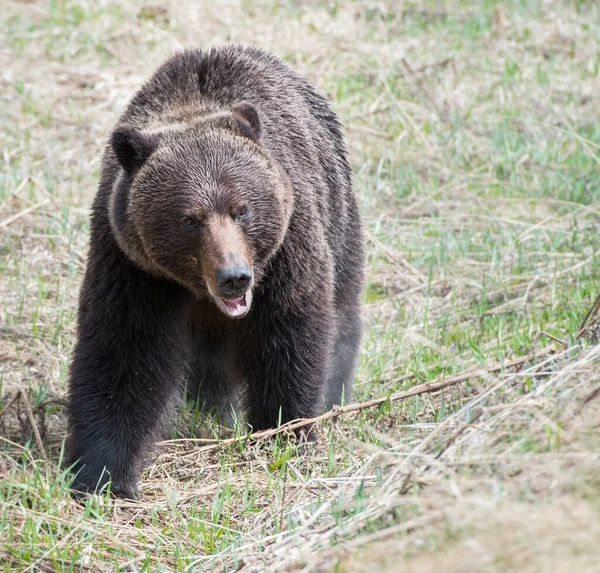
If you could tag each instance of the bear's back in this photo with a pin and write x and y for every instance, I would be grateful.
(289, 107)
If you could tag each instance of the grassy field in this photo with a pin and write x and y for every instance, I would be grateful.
(474, 132)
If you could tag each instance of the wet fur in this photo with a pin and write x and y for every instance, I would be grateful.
(146, 324)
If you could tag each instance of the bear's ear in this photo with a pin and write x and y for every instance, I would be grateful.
(132, 147)
(247, 119)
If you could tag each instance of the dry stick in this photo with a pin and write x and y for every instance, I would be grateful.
(14, 193)
(457, 434)
(589, 317)
(34, 427)
(441, 64)
(22, 213)
(43, 188)
(595, 392)
(283, 498)
(412, 78)
(42, 404)
(52, 400)
(397, 258)
(36, 433)
(552, 337)
(10, 404)
(426, 388)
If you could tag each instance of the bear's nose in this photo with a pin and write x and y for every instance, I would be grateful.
(233, 281)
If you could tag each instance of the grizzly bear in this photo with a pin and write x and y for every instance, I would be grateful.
(225, 255)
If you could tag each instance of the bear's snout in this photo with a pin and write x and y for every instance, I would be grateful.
(227, 266)
(233, 281)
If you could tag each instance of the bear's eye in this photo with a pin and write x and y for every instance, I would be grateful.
(241, 212)
(189, 222)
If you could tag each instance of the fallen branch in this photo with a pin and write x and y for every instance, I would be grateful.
(426, 388)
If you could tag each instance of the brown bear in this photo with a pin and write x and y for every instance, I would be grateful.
(225, 254)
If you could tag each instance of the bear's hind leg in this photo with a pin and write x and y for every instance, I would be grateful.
(339, 385)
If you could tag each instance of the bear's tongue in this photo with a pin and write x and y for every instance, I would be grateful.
(235, 306)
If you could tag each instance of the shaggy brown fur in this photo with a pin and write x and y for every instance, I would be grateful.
(225, 251)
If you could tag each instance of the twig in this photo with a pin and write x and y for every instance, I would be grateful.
(14, 193)
(22, 213)
(42, 404)
(34, 427)
(591, 314)
(43, 189)
(47, 401)
(421, 278)
(551, 337)
(441, 64)
(595, 392)
(411, 76)
(36, 432)
(405, 485)
(10, 404)
(456, 435)
(283, 498)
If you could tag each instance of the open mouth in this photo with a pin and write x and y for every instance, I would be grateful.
(235, 307)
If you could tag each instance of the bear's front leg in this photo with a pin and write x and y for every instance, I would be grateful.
(127, 366)
(286, 358)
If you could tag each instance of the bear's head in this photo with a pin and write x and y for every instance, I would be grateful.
(201, 203)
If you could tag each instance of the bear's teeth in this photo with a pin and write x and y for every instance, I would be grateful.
(235, 306)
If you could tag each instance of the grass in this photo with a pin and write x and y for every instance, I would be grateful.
(475, 139)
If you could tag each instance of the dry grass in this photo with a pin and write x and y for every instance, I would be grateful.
(475, 137)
